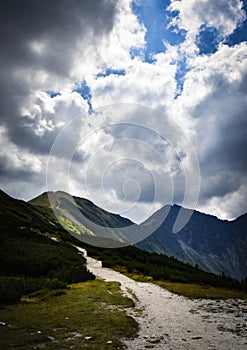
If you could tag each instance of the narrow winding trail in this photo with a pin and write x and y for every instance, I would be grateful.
(169, 321)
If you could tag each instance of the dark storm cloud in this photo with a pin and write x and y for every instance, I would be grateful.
(223, 127)
(42, 36)
(59, 22)
(10, 172)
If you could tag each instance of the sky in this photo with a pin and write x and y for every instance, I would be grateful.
(132, 104)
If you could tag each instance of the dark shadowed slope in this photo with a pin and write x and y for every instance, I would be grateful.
(214, 245)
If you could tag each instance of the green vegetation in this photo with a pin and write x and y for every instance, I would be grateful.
(28, 255)
(189, 290)
(31, 261)
(70, 226)
(90, 315)
(201, 291)
(81, 216)
(35, 271)
(31, 254)
(169, 273)
(12, 288)
(158, 266)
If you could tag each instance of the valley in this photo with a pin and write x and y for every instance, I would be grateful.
(214, 245)
(123, 175)
(54, 296)
(169, 321)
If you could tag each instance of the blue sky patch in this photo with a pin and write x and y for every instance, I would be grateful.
(138, 52)
(110, 71)
(53, 94)
(85, 92)
(240, 33)
(180, 75)
(155, 17)
(207, 40)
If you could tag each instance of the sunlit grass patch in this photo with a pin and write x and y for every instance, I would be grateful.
(81, 318)
(188, 289)
(201, 291)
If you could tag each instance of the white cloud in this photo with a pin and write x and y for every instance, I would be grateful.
(113, 50)
(21, 172)
(15, 159)
(43, 114)
(144, 83)
(214, 99)
(224, 15)
(228, 206)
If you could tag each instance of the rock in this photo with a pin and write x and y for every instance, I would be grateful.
(88, 338)
(50, 338)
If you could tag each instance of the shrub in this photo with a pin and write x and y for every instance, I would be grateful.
(11, 290)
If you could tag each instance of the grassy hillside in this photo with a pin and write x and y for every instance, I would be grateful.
(168, 272)
(37, 270)
(213, 245)
(82, 217)
(29, 259)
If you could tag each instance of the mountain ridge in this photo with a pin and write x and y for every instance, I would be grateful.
(214, 245)
(206, 241)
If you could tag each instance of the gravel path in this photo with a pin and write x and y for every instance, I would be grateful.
(168, 321)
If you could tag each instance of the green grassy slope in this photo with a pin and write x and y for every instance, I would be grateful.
(36, 270)
(81, 216)
(29, 259)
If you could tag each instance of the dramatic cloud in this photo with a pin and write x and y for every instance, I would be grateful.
(219, 110)
(64, 59)
(148, 84)
(224, 15)
(40, 43)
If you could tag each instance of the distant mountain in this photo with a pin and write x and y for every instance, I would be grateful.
(64, 202)
(81, 216)
(211, 244)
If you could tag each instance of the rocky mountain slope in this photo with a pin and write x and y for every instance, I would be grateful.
(214, 245)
